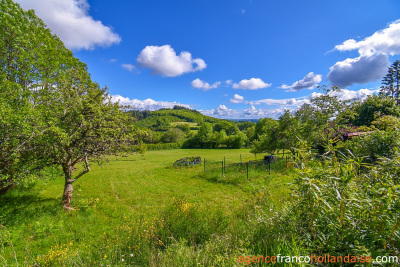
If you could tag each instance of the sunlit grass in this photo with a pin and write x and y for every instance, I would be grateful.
(126, 194)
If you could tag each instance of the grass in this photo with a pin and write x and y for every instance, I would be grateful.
(191, 124)
(129, 193)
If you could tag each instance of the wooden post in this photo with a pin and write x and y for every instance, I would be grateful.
(247, 171)
(222, 168)
(269, 167)
(241, 160)
(224, 164)
(204, 166)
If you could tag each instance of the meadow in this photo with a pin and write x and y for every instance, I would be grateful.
(116, 204)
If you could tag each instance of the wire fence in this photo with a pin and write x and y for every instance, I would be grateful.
(241, 169)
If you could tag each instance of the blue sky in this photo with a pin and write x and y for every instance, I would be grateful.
(229, 59)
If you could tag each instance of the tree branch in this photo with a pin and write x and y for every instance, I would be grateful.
(87, 169)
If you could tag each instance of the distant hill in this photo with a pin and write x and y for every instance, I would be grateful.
(243, 120)
(161, 119)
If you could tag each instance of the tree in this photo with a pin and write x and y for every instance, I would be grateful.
(30, 59)
(205, 135)
(222, 125)
(268, 136)
(51, 112)
(83, 124)
(288, 132)
(328, 103)
(262, 126)
(391, 82)
(173, 135)
(374, 107)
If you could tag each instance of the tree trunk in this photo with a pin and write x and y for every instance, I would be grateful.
(67, 196)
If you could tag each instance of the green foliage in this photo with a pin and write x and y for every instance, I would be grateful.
(161, 119)
(59, 115)
(222, 125)
(167, 146)
(391, 82)
(263, 126)
(365, 112)
(184, 127)
(235, 141)
(343, 207)
(375, 144)
(173, 135)
(387, 123)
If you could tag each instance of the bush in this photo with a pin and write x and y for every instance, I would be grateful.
(375, 145)
(153, 147)
(345, 207)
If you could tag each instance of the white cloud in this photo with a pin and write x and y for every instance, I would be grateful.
(360, 70)
(251, 113)
(147, 104)
(309, 82)
(236, 99)
(280, 102)
(251, 84)
(164, 60)
(69, 20)
(204, 85)
(345, 94)
(373, 62)
(228, 82)
(128, 67)
(386, 41)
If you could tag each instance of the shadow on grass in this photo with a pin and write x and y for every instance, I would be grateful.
(21, 205)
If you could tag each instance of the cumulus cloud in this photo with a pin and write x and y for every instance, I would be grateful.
(236, 99)
(251, 84)
(164, 60)
(373, 61)
(309, 82)
(128, 67)
(69, 20)
(224, 112)
(199, 84)
(280, 102)
(385, 41)
(360, 70)
(345, 94)
(147, 104)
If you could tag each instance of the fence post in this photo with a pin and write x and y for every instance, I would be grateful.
(241, 160)
(204, 165)
(224, 165)
(222, 168)
(269, 167)
(247, 171)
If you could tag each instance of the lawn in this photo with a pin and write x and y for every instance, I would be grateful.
(121, 192)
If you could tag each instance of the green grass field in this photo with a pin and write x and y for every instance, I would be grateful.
(125, 192)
